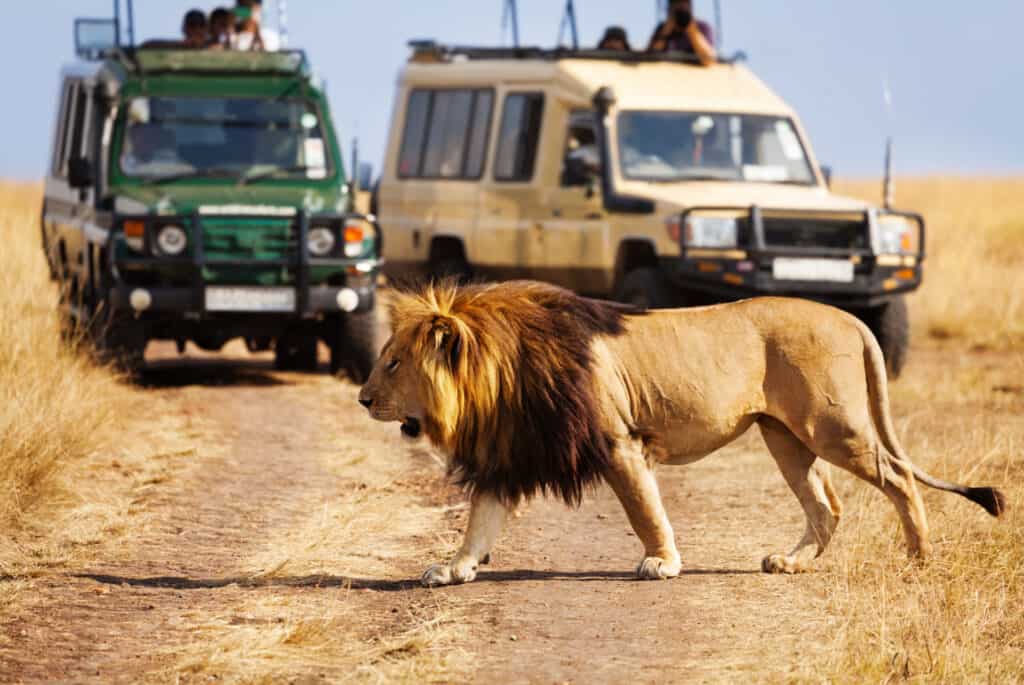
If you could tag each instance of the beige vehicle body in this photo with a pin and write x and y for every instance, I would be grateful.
(477, 179)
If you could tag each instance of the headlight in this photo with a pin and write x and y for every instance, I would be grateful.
(171, 240)
(355, 237)
(320, 241)
(711, 231)
(897, 235)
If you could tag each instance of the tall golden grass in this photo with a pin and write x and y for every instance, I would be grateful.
(56, 406)
(974, 284)
(959, 618)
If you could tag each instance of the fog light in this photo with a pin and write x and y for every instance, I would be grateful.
(140, 300)
(348, 300)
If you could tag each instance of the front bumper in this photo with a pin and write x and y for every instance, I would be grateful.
(191, 301)
(748, 270)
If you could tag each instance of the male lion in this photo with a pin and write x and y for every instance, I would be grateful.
(530, 388)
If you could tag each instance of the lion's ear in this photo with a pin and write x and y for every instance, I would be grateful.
(447, 341)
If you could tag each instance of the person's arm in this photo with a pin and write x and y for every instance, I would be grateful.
(659, 41)
(703, 48)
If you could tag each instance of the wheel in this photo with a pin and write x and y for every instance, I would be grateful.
(453, 268)
(647, 288)
(891, 325)
(295, 352)
(355, 345)
(120, 340)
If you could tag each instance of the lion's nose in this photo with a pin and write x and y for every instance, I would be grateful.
(366, 403)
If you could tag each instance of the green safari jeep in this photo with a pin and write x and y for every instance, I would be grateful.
(200, 196)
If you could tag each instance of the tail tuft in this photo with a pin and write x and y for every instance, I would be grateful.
(993, 501)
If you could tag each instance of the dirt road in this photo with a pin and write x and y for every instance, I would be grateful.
(287, 544)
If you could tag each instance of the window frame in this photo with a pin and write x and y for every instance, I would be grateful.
(536, 143)
(62, 142)
(811, 166)
(428, 127)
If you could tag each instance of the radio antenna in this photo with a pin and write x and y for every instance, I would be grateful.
(510, 19)
(719, 35)
(888, 184)
(282, 22)
(569, 18)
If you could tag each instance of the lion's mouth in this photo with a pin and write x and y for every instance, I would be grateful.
(411, 427)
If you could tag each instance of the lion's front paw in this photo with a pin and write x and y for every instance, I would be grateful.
(780, 563)
(462, 571)
(656, 568)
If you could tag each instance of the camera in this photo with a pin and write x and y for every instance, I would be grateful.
(683, 17)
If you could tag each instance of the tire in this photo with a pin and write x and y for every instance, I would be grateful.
(295, 352)
(121, 341)
(355, 345)
(451, 268)
(891, 325)
(648, 289)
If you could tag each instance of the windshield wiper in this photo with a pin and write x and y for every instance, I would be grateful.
(214, 172)
(253, 177)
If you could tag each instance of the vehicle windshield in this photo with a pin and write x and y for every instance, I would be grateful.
(185, 137)
(681, 146)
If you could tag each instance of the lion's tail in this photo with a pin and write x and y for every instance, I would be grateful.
(992, 500)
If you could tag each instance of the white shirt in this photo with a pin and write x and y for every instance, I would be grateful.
(271, 40)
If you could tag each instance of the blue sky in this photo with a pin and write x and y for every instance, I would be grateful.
(956, 71)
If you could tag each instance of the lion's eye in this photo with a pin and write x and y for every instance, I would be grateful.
(393, 365)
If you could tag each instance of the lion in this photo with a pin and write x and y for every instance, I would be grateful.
(531, 389)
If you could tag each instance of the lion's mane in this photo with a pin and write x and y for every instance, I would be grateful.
(508, 383)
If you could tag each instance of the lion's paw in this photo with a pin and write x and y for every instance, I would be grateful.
(780, 563)
(656, 568)
(455, 573)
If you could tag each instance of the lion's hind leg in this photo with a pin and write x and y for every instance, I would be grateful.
(633, 481)
(809, 480)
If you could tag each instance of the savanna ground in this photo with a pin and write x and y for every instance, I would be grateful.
(222, 522)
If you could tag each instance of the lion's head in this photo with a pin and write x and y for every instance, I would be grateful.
(499, 376)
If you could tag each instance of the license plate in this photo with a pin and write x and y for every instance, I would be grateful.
(250, 299)
(833, 270)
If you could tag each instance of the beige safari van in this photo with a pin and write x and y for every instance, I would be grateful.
(642, 178)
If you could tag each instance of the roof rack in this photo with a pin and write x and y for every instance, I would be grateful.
(429, 50)
(164, 58)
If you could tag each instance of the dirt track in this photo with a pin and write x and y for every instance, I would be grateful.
(558, 604)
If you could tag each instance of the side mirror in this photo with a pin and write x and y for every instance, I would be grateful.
(95, 37)
(826, 171)
(578, 173)
(80, 173)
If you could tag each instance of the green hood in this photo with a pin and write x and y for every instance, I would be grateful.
(178, 198)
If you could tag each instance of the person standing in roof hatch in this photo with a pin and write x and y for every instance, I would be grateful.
(682, 32)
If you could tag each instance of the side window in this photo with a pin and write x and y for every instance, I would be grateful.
(79, 124)
(65, 124)
(446, 134)
(582, 161)
(517, 140)
(449, 122)
(476, 148)
(416, 114)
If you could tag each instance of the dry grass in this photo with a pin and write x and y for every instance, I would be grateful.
(282, 639)
(66, 483)
(960, 412)
(974, 287)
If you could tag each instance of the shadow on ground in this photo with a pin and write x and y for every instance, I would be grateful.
(328, 581)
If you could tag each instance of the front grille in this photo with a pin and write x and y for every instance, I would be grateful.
(810, 233)
(261, 239)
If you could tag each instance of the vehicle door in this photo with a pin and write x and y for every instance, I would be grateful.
(574, 231)
(69, 211)
(506, 243)
(439, 163)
